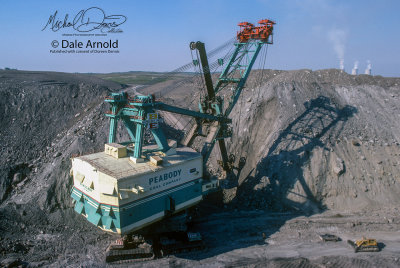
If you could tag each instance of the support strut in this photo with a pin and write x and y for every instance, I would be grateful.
(206, 69)
(210, 97)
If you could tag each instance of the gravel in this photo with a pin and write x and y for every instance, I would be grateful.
(315, 142)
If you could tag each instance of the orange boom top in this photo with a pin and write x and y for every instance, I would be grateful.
(263, 32)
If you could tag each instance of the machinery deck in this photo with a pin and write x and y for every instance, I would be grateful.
(124, 167)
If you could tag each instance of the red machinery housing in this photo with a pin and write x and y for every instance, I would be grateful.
(263, 32)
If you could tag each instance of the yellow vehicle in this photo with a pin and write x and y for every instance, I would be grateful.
(364, 245)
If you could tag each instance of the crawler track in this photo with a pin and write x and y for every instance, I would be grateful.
(129, 255)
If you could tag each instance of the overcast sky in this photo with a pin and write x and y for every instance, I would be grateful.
(312, 34)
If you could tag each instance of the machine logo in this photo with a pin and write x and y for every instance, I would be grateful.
(165, 177)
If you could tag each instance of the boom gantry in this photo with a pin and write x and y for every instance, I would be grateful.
(138, 112)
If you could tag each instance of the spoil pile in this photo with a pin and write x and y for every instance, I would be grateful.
(312, 141)
(318, 140)
(46, 118)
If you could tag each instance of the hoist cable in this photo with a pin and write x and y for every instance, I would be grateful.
(258, 98)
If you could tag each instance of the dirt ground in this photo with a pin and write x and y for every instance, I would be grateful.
(238, 239)
(322, 156)
(290, 240)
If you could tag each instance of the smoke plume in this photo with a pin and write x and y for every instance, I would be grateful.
(369, 65)
(338, 39)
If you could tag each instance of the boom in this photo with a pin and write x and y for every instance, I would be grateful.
(250, 41)
(141, 111)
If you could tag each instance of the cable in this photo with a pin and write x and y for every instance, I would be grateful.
(183, 68)
(196, 79)
(262, 72)
(258, 97)
(197, 74)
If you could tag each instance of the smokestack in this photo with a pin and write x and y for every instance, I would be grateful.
(369, 67)
(342, 65)
(355, 68)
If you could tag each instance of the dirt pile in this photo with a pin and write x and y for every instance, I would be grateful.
(38, 110)
(46, 118)
(312, 141)
(318, 140)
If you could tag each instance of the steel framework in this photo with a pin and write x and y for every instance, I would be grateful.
(139, 111)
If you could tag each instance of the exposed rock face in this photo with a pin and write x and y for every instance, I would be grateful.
(323, 139)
